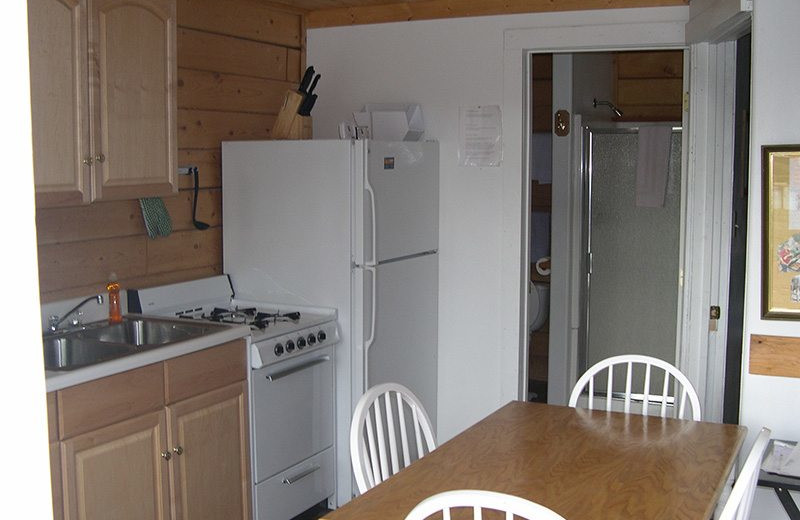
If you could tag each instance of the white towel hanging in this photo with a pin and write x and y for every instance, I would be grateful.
(652, 165)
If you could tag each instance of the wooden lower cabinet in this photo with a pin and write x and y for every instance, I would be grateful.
(168, 441)
(118, 472)
(210, 464)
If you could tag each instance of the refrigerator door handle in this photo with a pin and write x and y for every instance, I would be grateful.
(371, 266)
(374, 272)
(374, 246)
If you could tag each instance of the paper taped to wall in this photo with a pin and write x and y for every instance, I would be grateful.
(480, 136)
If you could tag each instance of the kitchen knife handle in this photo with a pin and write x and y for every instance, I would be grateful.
(306, 81)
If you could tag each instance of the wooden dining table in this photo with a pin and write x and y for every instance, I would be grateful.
(582, 464)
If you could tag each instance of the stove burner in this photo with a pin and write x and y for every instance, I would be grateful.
(248, 316)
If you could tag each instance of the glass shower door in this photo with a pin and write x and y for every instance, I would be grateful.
(633, 253)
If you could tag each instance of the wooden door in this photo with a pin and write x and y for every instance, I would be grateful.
(211, 465)
(133, 97)
(59, 98)
(118, 472)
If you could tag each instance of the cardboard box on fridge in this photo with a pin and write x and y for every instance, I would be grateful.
(391, 121)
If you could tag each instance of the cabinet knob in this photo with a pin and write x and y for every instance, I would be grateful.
(100, 158)
(88, 160)
(178, 450)
(166, 455)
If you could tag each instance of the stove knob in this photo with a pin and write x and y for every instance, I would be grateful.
(321, 336)
(289, 346)
(312, 339)
(301, 343)
(278, 349)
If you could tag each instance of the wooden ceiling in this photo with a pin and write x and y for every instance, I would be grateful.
(331, 13)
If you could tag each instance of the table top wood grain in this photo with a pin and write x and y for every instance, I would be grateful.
(583, 464)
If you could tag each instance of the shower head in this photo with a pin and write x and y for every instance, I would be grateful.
(609, 104)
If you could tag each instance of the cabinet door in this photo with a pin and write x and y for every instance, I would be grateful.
(211, 465)
(59, 98)
(118, 472)
(55, 482)
(133, 97)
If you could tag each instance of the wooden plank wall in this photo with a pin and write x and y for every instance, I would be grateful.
(235, 61)
(649, 85)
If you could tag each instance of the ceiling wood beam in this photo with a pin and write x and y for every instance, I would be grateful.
(435, 9)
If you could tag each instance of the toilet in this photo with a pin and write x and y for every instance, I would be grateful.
(538, 304)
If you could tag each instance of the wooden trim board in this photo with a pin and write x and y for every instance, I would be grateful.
(775, 355)
(436, 9)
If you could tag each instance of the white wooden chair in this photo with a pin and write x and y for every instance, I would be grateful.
(478, 500)
(380, 430)
(681, 391)
(741, 498)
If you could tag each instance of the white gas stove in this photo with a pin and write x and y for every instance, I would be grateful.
(292, 387)
(278, 331)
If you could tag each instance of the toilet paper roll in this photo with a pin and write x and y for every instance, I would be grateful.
(543, 266)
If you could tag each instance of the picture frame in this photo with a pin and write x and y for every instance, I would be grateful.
(780, 236)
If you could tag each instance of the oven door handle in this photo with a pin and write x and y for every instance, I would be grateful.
(291, 480)
(289, 371)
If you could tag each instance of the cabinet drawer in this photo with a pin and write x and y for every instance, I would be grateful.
(294, 490)
(105, 401)
(199, 372)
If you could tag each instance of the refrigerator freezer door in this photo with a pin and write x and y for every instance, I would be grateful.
(405, 349)
(404, 177)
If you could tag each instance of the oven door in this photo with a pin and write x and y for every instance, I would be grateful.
(293, 411)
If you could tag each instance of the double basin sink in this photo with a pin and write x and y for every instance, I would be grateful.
(101, 341)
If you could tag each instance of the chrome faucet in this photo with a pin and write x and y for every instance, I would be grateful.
(55, 321)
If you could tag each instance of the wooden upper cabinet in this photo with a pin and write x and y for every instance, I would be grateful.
(59, 98)
(132, 50)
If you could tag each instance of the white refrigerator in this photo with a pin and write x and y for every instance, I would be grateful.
(347, 224)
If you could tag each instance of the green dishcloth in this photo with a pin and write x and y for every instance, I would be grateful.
(156, 217)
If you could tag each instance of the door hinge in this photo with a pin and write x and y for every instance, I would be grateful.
(685, 101)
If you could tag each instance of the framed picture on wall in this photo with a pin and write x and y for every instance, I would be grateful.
(780, 239)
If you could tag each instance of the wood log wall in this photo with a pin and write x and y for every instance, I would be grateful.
(236, 59)
(649, 85)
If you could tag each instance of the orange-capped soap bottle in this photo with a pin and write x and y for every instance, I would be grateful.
(114, 312)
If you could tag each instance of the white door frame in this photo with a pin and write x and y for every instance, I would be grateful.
(657, 28)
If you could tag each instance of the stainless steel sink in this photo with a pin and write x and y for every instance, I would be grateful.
(71, 351)
(101, 341)
(141, 332)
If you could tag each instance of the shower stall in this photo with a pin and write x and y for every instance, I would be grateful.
(631, 268)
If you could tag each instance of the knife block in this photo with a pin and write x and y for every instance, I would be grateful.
(289, 124)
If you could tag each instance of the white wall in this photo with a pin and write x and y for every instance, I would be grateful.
(25, 473)
(444, 64)
(440, 64)
(770, 401)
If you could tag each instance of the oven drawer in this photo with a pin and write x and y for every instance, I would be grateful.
(294, 490)
(293, 411)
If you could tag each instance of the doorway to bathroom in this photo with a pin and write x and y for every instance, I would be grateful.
(627, 276)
